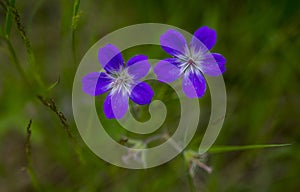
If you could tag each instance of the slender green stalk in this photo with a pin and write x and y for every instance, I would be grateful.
(189, 177)
(31, 57)
(9, 18)
(7, 28)
(52, 106)
(218, 149)
(75, 19)
(29, 166)
(74, 48)
(15, 60)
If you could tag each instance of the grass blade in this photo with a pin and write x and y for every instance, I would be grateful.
(52, 106)
(9, 18)
(15, 60)
(53, 85)
(75, 19)
(75, 14)
(218, 149)
(29, 166)
(30, 53)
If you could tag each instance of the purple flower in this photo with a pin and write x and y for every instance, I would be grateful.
(123, 81)
(190, 61)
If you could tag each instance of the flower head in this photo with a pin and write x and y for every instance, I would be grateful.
(190, 61)
(122, 81)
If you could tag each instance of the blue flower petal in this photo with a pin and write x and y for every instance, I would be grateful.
(207, 36)
(110, 58)
(138, 66)
(167, 71)
(213, 64)
(107, 108)
(173, 42)
(142, 94)
(220, 59)
(116, 106)
(194, 85)
(173, 61)
(136, 58)
(96, 83)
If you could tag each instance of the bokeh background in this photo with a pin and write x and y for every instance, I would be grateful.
(260, 40)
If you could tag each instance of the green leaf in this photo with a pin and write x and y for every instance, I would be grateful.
(218, 149)
(53, 84)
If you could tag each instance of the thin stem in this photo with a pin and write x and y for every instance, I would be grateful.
(8, 20)
(189, 177)
(26, 41)
(74, 48)
(219, 149)
(202, 165)
(172, 142)
(154, 138)
(29, 166)
(74, 27)
(52, 106)
(15, 60)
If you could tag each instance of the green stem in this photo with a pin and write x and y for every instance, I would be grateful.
(218, 149)
(12, 11)
(74, 48)
(29, 166)
(189, 177)
(52, 106)
(75, 18)
(15, 60)
(8, 20)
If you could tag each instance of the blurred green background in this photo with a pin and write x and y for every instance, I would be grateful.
(260, 40)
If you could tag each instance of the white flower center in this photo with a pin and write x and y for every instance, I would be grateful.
(190, 61)
(121, 82)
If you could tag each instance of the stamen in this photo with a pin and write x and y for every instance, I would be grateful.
(122, 82)
(190, 61)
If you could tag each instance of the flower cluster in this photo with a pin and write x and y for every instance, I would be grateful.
(123, 81)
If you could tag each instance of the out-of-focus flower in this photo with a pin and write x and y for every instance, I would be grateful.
(196, 160)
